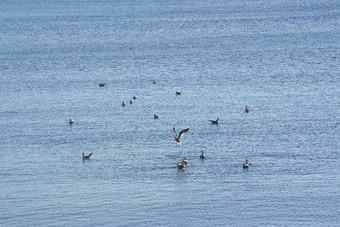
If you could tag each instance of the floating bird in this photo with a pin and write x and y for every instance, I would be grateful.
(123, 103)
(178, 92)
(245, 165)
(85, 156)
(71, 121)
(180, 166)
(101, 84)
(155, 116)
(131, 102)
(154, 81)
(247, 109)
(215, 122)
(181, 133)
(202, 156)
(185, 161)
(134, 97)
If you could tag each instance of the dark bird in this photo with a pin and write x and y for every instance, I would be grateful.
(247, 109)
(178, 92)
(215, 122)
(123, 103)
(180, 166)
(245, 165)
(85, 156)
(154, 81)
(101, 84)
(180, 134)
(131, 102)
(71, 121)
(155, 116)
(202, 156)
(134, 97)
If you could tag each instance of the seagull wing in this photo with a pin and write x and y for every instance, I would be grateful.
(182, 132)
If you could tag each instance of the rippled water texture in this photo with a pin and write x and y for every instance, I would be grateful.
(280, 58)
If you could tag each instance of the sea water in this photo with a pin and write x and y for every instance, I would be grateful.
(279, 57)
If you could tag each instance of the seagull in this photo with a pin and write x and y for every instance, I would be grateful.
(245, 165)
(131, 102)
(202, 156)
(154, 81)
(247, 109)
(85, 156)
(123, 103)
(101, 84)
(178, 92)
(181, 133)
(155, 116)
(185, 161)
(134, 97)
(71, 121)
(215, 122)
(180, 166)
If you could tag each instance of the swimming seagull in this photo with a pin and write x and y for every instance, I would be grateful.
(134, 97)
(85, 156)
(247, 109)
(154, 81)
(215, 122)
(123, 103)
(101, 84)
(178, 92)
(178, 136)
(180, 166)
(155, 116)
(245, 165)
(71, 121)
(202, 156)
(185, 161)
(131, 102)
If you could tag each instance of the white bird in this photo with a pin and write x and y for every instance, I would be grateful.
(85, 156)
(180, 134)
(71, 121)
(215, 122)
(185, 161)
(245, 165)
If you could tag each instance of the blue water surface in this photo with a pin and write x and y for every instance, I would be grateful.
(279, 57)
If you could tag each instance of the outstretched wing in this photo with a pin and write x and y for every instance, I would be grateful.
(182, 132)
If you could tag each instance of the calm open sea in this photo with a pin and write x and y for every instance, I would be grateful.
(279, 57)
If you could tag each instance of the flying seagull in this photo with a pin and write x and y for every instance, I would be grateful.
(215, 122)
(180, 134)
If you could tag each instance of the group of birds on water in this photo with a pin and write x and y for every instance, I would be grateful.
(183, 164)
